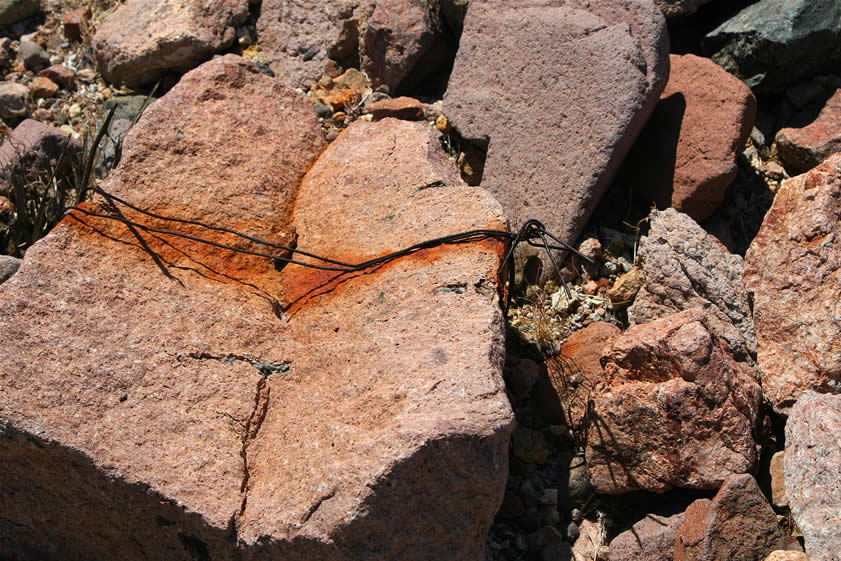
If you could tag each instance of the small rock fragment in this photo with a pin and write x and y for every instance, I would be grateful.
(61, 75)
(8, 266)
(42, 87)
(650, 539)
(405, 108)
(14, 98)
(34, 56)
(75, 23)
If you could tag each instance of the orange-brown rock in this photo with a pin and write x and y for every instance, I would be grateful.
(42, 87)
(676, 409)
(793, 275)
(183, 416)
(803, 148)
(406, 108)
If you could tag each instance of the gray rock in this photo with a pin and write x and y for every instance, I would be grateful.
(650, 539)
(775, 43)
(128, 106)
(12, 11)
(13, 100)
(8, 267)
(34, 151)
(558, 112)
(34, 56)
(683, 267)
(812, 467)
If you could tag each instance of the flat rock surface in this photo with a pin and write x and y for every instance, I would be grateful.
(738, 524)
(650, 539)
(812, 464)
(801, 149)
(774, 43)
(299, 37)
(143, 39)
(559, 111)
(676, 410)
(184, 410)
(685, 157)
(684, 267)
(793, 274)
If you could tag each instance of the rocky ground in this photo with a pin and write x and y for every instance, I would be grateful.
(672, 394)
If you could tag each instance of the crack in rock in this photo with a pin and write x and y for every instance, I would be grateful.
(266, 369)
(252, 427)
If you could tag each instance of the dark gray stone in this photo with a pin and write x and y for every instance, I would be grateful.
(775, 43)
(12, 11)
(34, 56)
(8, 267)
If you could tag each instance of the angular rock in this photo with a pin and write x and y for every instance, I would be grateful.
(589, 543)
(801, 149)
(299, 37)
(42, 87)
(685, 157)
(677, 9)
(185, 416)
(777, 473)
(14, 98)
(406, 108)
(650, 539)
(774, 43)
(33, 152)
(75, 23)
(812, 465)
(676, 410)
(8, 266)
(12, 11)
(34, 56)
(792, 273)
(563, 394)
(143, 39)
(683, 267)
(624, 291)
(738, 525)
(403, 42)
(559, 112)
(61, 75)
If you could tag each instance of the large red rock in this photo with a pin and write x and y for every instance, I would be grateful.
(793, 275)
(686, 155)
(738, 524)
(812, 465)
(35, 152)
(403, 42)
(650, 539)
(676, 410)
(299, 37)
(143, 39)
(160, 404)
(683, 267)
(801, 149)
(557, 91)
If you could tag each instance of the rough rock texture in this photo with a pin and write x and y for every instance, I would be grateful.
(589, 541)
(676, 410)
(804, 148)
(558, 112)
(299, 37)
(781, 555)
(777, 474)
(676, 9)
(684, 267)
(563, 395)
(12, 11)
(793, 274)
(737, 525)
(406, 108)
(42, 87)
(8, 266)
(33, 151)
(185, 417)
(61, 75)
(13, 100)
(812, 465)
(685, 157)
(774, 43)
(143, 39)
(403, 42)
(650, 539)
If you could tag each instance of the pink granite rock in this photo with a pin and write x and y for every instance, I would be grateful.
(812, 465)
(686, 155)
(298, 37)
(143, 39)
(183, 416)
(403, 42)
(557, 112)
(737, 525)
(650, 539)
(676, 410)
(684, 267)
(792, 272)
(801, 149)
(33, 152)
